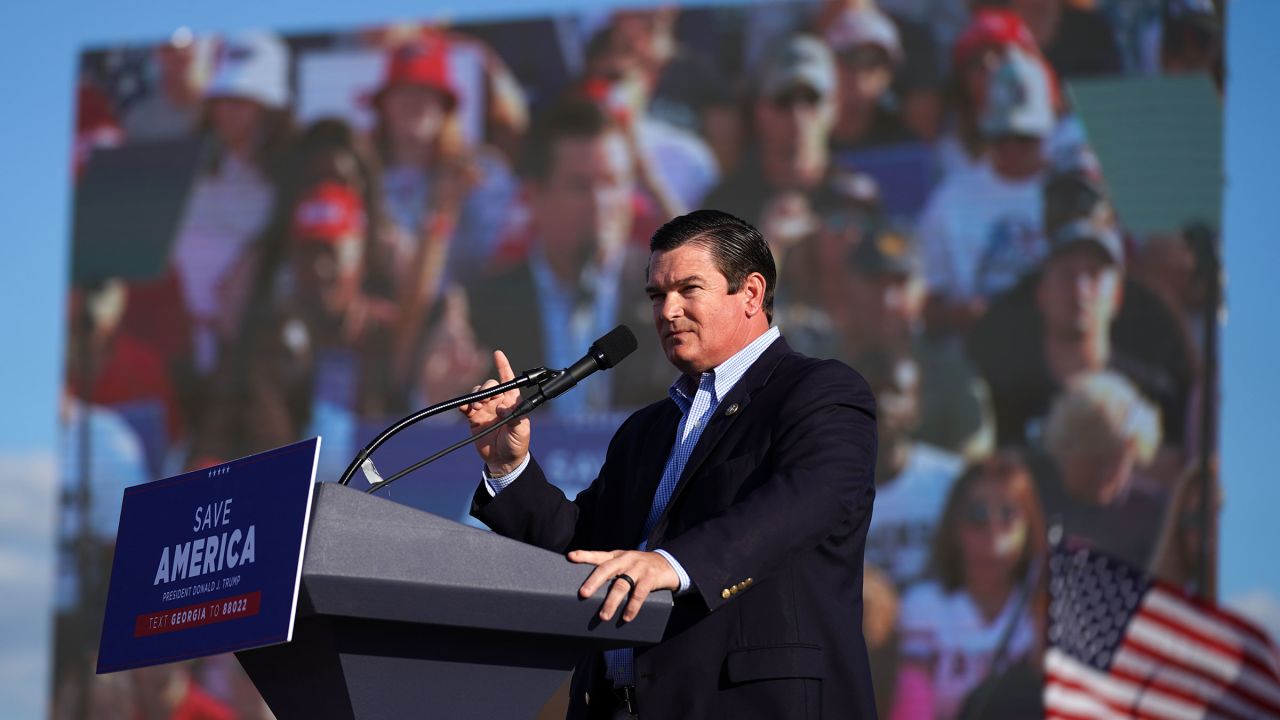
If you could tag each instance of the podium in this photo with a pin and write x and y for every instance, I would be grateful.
(405, 614)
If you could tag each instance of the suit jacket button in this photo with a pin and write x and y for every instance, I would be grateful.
(725, 594)
(731, 410)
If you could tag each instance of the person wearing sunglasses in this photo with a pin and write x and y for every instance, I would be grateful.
(868, 52)
(976, 612)
(792, 110)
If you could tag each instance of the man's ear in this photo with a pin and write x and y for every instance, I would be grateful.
(753, 288)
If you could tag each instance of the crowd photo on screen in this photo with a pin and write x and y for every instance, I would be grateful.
(343, 226)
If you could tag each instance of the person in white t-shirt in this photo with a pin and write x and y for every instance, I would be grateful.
(979, 611)
(246, 112)
(912, 478)
(981, 228)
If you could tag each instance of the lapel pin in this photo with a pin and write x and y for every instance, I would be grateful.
(731, 410)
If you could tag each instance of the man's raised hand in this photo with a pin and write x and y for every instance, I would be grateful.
(504, 450)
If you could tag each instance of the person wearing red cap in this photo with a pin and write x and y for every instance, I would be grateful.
(974, 58)
(446, 200)
(321, 362)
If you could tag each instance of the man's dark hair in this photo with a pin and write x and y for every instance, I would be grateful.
(573, 116)
(736, 247)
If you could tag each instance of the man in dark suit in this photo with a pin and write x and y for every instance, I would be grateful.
(748, 493)
(582, 276)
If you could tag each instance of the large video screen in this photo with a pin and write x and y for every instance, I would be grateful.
(283, 236)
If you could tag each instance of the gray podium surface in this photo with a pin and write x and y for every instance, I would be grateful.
(406, 614)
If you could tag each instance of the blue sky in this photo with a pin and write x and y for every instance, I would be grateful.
(38, 47)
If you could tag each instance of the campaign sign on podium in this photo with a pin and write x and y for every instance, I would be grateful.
(209, 561)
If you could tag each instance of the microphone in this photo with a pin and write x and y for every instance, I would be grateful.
(603, 354)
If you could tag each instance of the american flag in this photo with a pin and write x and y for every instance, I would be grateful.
(1124, 646)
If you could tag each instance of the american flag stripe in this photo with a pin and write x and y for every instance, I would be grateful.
(1229, 633)
(1135, 650)
(1174, 596)
(1064, 701)
(1141, 668)
(1131, 699)
(1169, 645)
(1222, 647)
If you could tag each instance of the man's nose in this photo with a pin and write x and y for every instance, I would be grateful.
(671, 307)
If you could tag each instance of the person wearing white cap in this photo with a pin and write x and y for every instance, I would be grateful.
(981, 228)
(246, 115)
(252, 66)
(793, 108)
(867, 49)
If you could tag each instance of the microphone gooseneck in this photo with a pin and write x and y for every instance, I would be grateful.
(604, 353)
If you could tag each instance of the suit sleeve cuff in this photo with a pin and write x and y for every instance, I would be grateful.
(496, 485)
(685, 583)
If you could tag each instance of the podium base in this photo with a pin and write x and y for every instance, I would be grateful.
(341, 668)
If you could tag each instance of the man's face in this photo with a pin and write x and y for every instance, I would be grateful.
(584, 204)
(864, 74)
(794, 122)
(1079, 293)
(884, 307)
(699, 324)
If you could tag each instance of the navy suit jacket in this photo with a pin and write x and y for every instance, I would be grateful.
(769, 519)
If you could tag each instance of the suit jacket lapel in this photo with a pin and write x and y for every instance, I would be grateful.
(718, 426)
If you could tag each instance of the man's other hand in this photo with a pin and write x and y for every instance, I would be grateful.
(649, 570)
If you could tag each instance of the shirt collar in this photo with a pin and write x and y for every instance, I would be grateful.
(726, 374)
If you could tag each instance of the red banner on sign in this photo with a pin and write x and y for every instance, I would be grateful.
(205, 613)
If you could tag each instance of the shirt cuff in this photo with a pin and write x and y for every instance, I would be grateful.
(685, 582)
(496, 485)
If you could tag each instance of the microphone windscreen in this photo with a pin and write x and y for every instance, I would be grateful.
(614, 346)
